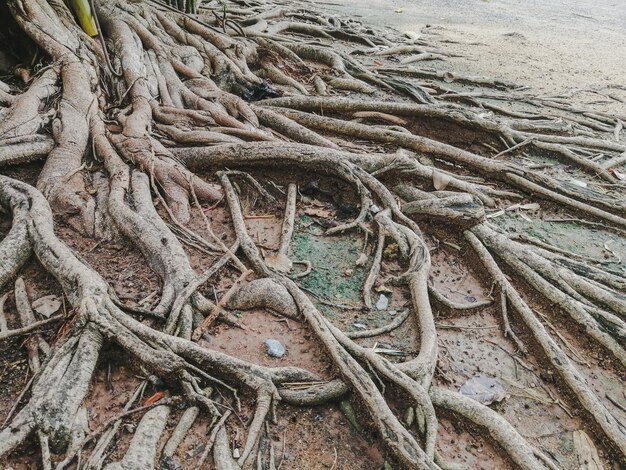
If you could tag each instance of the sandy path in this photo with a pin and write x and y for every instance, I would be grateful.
(551, 45)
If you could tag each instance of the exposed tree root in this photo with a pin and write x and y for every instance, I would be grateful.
(140, 156)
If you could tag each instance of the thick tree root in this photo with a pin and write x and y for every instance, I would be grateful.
(607, 422)
(137, 154)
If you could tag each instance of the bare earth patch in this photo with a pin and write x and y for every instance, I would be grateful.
(429, 223)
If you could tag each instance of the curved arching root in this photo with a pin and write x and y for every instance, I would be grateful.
(211, 116)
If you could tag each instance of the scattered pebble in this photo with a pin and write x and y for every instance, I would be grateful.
(274, 348)
(483, 389)
(129, 427)
(360, 326)
(382, 303)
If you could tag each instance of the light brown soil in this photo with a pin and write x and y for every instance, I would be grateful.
(526, 51)
(552, 46)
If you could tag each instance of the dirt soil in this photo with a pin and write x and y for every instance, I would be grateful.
(555, 47)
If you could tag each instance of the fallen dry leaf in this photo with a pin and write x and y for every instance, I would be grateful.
(383, 288)
(279, 262)
(440, 180)
(483, 389)
(318, 212)
(47, 305)
(154, 398)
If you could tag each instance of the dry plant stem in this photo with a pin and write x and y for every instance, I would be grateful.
(547, 461)
(229, 251)
(18, 401)
(439, 297)
(191, 288)
(6, 333)
(212, 316)
(397, 321)
(46, 462)
(553, 352)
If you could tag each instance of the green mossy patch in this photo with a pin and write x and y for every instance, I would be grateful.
(334, 276)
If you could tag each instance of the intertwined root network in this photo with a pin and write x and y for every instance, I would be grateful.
(274, 87)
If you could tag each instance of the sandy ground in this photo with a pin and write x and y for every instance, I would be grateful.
(552, 45)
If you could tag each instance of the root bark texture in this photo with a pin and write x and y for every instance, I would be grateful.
(216, 112)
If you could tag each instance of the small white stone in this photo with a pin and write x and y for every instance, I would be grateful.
(274, 348)
(382, 303)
